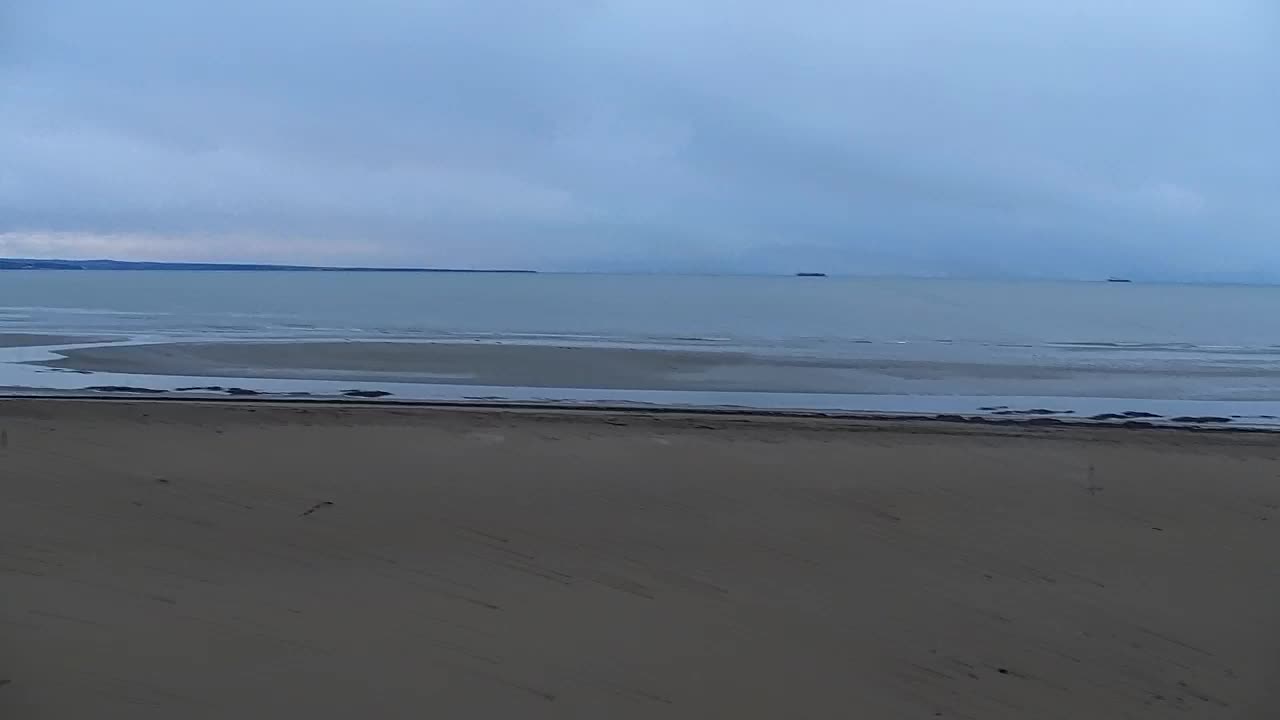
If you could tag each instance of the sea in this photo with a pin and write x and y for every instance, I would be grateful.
(942, 345)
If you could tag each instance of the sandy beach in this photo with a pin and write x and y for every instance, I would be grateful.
(205, 560)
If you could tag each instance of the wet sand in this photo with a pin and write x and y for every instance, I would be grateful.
(606, 368)
(463, 364)
(12, 340)
(201, 560)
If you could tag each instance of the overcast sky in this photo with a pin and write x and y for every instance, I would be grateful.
(989, 137)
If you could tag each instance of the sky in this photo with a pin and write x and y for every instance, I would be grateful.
(1026, 138)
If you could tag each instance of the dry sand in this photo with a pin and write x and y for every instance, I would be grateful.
(185, 560)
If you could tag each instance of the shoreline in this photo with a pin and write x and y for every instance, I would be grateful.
(871, 370)
(1029, 419)
(537, 374)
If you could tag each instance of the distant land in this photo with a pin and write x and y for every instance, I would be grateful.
(44, 264)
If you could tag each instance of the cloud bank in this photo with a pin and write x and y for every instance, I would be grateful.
(998, 137)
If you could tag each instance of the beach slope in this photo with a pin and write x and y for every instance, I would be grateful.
(203, 560)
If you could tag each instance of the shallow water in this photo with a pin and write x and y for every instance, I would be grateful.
(932, 342)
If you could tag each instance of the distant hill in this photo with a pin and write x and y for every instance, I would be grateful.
(44, 264)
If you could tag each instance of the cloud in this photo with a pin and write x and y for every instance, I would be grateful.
(994, 137)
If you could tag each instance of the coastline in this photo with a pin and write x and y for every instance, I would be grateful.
(1032, 419)
(569, 563)
(607, 367)
(609, 376)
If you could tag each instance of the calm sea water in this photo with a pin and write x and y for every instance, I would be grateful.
(755, 311)
(935, 338)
